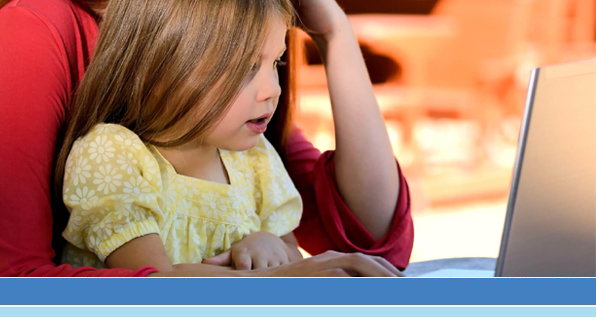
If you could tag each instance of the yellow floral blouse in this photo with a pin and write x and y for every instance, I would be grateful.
(117, 188)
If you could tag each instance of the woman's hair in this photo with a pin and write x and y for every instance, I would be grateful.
(171, 68)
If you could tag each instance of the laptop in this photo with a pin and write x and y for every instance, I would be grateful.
(550, 227)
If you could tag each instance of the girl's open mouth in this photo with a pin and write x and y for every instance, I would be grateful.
(257, 125)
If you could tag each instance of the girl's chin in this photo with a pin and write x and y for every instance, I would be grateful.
(243, 144)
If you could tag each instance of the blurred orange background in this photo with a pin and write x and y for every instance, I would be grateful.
(450, 78)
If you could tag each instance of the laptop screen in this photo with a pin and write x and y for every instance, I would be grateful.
(550, 228)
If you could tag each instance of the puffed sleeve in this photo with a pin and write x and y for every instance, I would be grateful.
(112, 188)
(280, 203)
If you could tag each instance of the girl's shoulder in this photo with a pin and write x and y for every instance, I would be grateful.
(112, 131)
(115, 151)
(109, 138)
(110, 128)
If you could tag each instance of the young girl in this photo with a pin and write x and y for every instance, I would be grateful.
(164, 161)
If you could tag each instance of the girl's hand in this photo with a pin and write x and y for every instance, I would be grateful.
(320, 18)
(257, 251)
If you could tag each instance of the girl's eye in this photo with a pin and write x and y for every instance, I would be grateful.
(278, 63)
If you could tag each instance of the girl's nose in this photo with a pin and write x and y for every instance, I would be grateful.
(269, 87)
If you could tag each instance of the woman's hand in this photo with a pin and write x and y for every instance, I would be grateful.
(257, 251)
(328, 264)
(334, 264)
(320, 18)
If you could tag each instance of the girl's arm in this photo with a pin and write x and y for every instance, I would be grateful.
(149, 250)
(366, 172)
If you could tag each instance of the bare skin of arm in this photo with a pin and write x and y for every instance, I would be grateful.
(366, 172)
(149, 251)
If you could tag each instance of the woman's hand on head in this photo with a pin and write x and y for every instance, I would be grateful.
(258, 250)
(320, 18)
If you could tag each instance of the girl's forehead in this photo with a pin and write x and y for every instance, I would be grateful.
(275, 42)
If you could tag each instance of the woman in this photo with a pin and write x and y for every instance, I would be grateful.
(351, 203)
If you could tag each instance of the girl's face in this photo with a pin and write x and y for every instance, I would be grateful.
(254, 106)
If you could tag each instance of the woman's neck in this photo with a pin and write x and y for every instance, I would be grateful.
(201, 162)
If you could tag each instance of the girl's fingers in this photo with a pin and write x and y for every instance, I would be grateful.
(260, 263)
(242, 260)
(223, 259)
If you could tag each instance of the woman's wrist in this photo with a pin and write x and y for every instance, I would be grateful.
(340, 27)
(342, 36)
(201, 270)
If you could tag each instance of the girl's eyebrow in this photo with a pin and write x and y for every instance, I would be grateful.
(261, 56)
(283, 50)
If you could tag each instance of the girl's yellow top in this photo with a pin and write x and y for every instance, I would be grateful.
(117, 188)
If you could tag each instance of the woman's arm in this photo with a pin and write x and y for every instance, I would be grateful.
(34, 83)
(366, 171)
(327, 223)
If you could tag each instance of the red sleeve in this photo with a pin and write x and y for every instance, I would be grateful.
(34, 88)
(327, 223)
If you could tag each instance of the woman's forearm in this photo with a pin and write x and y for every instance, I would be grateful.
(365, 167)
(328, 264)
(200, 270)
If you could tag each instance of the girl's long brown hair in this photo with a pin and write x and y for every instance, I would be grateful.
(161, 67)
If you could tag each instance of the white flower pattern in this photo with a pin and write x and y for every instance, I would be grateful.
(80, 173)
(127, 162)
(101, 149)
(138, 188)
(274, 193)
(82, 196)
(107, 179)
(212, 205)
(278, 223)
(129, 140)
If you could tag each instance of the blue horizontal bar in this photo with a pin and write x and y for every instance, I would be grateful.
(297, 291)
(295, 311)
